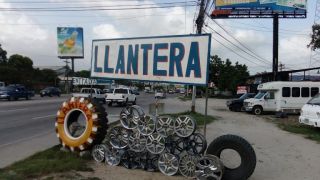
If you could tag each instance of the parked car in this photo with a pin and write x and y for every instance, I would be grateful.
(135, 91)
(2, 84)
(237, 104)
(182, 91)
(50, 91)
(121, 96)
(106, 91)
(288, 97)
(160, 94)
(15, 92)
(310, 112)
(171, 91)
(93, 93)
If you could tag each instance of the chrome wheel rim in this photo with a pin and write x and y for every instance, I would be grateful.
(130, 116)
(155, 144)
(113, 156)
(147, 125)
(119, 137)
(137, 142)
(209, 166)
(187, 165)
(184, 126)
(98, 152)
(165, 126)
(168, 164)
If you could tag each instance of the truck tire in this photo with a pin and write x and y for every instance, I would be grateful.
(135, 101)
(245, 151)
(94, 126)
(257, 110)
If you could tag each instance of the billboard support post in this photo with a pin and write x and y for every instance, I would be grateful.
(72, 72)
(275, 47)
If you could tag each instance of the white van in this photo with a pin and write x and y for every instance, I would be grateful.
(282, 96)
(310, 112)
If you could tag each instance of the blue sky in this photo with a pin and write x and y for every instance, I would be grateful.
(34, 33)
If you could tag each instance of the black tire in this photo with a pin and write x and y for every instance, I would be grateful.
(11, 98)
(110, 104)
(237, 108)
(257, 110)
(58, 95)
(135, 101)
(41, 95)
(231, 108)
(27, 97)
(244, 149)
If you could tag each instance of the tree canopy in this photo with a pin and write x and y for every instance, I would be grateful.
(3, 55)
(225, 75)
(315, 37)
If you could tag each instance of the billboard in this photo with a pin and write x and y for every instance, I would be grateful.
(70, 42)
(174, 59)
(260, 8)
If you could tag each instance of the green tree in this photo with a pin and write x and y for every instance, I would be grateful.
(83, 73)
(20, 62)
(225, 75)
(3, 55)
(315, 37)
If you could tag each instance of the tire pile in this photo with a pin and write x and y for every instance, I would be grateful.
(166, 144)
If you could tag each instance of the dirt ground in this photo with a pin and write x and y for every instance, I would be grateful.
(280, 155)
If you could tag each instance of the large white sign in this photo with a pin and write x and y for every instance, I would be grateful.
(176, 59)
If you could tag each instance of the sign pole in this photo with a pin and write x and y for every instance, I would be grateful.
(206, 114)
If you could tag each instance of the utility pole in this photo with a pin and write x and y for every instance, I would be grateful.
(281, 67)
(199, 22)
(72, 72)
(275, 46)
(66, 74)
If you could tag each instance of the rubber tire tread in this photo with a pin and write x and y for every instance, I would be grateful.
(103, 122)
(245, 150)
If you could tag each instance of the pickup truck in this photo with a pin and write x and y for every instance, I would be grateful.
(15, 92)
(93, 93)
(121, 96)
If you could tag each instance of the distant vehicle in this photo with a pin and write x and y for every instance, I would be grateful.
(281, 97)
(93, 93)
(182, 91)
(177, 91)
(50, 91)
(121, 96)
(160, 94)
(171, 91)
(135, 91)
(108, 91)
(310, 112)
(15, 92)
(2, 84)
(237, 104)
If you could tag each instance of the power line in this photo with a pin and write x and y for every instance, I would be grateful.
(92, 9)
(255, 54)
(101, 6)
(235, 45)
(230, 49)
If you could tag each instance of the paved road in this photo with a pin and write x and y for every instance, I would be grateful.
(27, 126)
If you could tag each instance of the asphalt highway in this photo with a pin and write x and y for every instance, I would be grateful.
(28, 126)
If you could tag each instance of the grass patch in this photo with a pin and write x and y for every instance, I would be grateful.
(185, 98)
(200, 118)
(292, 125)
(43, 163)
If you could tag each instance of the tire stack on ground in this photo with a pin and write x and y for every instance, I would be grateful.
(171, 146)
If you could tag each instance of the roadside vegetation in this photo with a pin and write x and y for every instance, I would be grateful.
(44, 163)
(291, 124)
(185, 98)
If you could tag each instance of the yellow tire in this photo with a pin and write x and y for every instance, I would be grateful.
(81, 123)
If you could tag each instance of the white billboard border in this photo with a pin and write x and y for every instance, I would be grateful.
(155, 37)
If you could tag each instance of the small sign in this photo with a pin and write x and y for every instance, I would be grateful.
(242, 90)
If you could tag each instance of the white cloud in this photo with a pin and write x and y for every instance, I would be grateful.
(104, 31)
